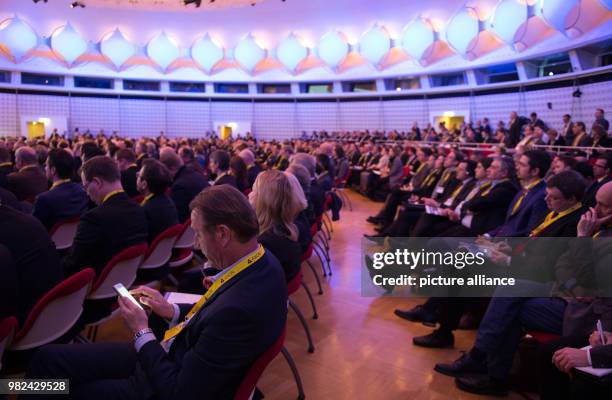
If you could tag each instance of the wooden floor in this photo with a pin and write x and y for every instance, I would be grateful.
(363, 351)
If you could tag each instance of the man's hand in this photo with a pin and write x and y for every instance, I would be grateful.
(430, 202)
(154, 300)
(568, 358)
(595, 340)
(499, 258)
(135, 317)
(453, 216)
(589, 223)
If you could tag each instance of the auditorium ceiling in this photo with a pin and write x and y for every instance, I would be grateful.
(289, 40)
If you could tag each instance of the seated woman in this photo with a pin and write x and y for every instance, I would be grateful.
(238, 169)
(324, 177)
(277, 199)
(152, 181)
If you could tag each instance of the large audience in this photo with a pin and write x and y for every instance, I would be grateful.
(256, 200)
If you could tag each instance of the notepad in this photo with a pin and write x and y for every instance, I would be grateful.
(182, 298)
(599, 372)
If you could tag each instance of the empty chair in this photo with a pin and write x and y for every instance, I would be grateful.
(183, 247)
(155, 263)
(55, 313)
(63, 233)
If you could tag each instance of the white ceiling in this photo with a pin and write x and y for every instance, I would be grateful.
(169, 5)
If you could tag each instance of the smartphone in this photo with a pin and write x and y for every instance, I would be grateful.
(122, 291)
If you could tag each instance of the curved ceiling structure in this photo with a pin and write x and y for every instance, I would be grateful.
(293, 40)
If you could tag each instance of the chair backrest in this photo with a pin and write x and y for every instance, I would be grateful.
(120, 269)
(63, 233)
(8, 327)
(55, 313)
(247, 386)
(294, 284)
(187, 237)
(160, 251)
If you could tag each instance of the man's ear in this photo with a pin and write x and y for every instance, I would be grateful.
(224, 234)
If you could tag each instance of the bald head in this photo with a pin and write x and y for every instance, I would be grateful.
(170, 159)
(247, 156)
(604, 201)
(25, 156)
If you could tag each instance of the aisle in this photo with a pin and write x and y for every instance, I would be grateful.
(363, 351)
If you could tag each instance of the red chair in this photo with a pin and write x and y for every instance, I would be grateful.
(55, 313)
(183, 247)
(8, 326)
(120, 269)
(306, 259)
(542, 337)
(340, 189)
(63, 232)
(247, 386)
(160, 251)
(292, 286)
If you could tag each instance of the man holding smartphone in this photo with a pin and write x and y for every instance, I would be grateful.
(208, 353)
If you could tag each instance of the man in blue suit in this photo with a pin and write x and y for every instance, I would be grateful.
(528, 208)
(205, 357)
(65, 199)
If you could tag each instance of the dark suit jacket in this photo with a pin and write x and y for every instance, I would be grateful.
(210, 357)
(5, 170)
(161, 215)
(28, 183)
(490, 210)
(8, 199)
(9, 284)
(128, 181)
(105, 231)
(514, 132)
(62, 202)
(252, 172)
(227, 180)
(187, 184)
(287, 251)
(36, 260)
(316, 197)
(530, 213)
(589, 196)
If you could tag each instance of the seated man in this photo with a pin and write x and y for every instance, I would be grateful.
(502, 327)
(153, 180)
(6, 167)
(207, 355)
(126, 159)
(64, 199)
(253, 169)
(116, 224)
(186, 182)
(36, 262)
(220, 166)
(29, 180)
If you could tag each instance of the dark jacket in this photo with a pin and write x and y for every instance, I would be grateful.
(5, 170)
(187, 184)
(227, 180)
(36, 261)
(8, 199)
(490, 210)
(27, 183)
(128, 180)
(65, 201)
(530, 213)
(161, 215)
(9, 284)
(252, 172)
(589, 196)
(211, 356)
(287, 251)
(105, 231)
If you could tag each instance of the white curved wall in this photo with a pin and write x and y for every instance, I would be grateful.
(136, 117)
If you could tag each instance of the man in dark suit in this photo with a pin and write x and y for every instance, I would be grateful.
(37, 263)
(126, 159)
(207, 356)
(514, 129)
(29, 180)
(8, 199)
(187, 182)
(253, 169)
(502, 326)
(601, 172)
(153, 180)
(219, 166)
(65, 199)
(6, 167)
(9, 286)
(114, 225)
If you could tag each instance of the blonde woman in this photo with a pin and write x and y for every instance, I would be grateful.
(278, 198)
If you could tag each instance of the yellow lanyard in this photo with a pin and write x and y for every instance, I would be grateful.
(597, 234)
(445, 177)
(577, 139)
(57, 183)
(6, 164)
(430, 178)
(246, 262)
(147, 198)
(456, 192)
(420, 168)
(108, 196)
(487, 189)
(27, 167)
(520, 199)
(132, 165)
(551, 218)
